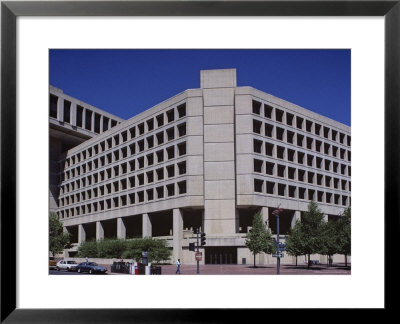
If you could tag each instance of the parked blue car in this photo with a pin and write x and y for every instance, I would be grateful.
(90, 267)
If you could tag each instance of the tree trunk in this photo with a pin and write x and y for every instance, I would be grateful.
(296, 260)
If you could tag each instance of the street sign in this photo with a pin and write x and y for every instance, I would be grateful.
(198, 256)
(280, 255)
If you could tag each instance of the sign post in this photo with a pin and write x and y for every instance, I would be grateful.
(198, 267)
(278, 252)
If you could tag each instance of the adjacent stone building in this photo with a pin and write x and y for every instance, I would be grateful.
(207, 158)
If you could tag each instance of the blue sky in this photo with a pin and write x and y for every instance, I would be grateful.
(127, 82)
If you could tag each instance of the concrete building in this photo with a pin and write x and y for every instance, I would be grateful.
(207, 158)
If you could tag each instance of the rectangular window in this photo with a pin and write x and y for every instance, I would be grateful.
(88, 119)
(257, 146)
(181, 110)
(256, 107)
(67, 111)
(53, 106)
(97, 119)
(268, 111)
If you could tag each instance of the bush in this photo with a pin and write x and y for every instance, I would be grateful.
(126, 249)
(88, 249)
(110, 248)
(157, 249)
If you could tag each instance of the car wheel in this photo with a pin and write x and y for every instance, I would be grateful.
(79, 270)
(90, 271)
(68, 269)
(58, 269)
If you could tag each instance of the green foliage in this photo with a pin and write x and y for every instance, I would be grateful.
(111, 248)
(127, 249)
(259, 238)
(344, 232)
(88, 249)
(313, 235)
(294, 243)
(58, 239)
(329, 239)
(311, 229)
(157, 249)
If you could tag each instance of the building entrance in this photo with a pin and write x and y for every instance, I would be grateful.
(221, 255)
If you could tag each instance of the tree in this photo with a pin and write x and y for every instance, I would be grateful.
(259, 239)
(311, 230)
(88, 249)
(157, 249)
(329, 245)
(294, 242)
(344, 234)
(58, 239)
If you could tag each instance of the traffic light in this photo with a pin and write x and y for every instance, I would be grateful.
(192, 247)
(203, 238)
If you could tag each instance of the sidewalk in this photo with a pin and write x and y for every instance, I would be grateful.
(215, 269)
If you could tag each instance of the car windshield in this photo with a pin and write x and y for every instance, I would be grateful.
(71, 262)
(92, 263)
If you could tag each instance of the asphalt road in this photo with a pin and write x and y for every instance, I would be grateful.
(72, 273)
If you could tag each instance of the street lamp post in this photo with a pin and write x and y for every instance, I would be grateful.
(198, 268)
(278, 261)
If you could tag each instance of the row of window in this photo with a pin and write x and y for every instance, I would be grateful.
(134, 180)
(304, 142)
(137, 130)
(290, 119)
(148, 195)
(159, 156)
(85, 118)
(287, 172)
(286, 154)
(281, 189)
(300, 140)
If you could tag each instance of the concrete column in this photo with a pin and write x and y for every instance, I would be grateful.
(121, 229)
(177, 234)
(99, 231)
(325, 218)
(92, 128)
(60, 109)
(296, 216)
(83, 118)
(264, 214)
(146, 225)
(81, 234)
(73, 114)
(218, 88)
(101, 123)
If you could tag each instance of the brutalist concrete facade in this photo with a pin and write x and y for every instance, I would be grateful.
(208, 158)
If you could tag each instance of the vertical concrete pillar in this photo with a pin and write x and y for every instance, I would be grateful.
(177, 234)
(121, 229)
(73, 114)
(218, 87)
(146, 225)
(60, 109)
(81, 234)
(296, 216)
(83, 118)
(326, 218)
(99, 231)
(92, 128)
(264, 215)
(101, 123)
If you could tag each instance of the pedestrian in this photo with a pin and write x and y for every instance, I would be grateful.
(178, 267)
(87, 259)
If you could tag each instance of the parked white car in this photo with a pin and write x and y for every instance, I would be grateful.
(66, 265)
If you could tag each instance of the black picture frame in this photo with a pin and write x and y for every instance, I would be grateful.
(10, 10)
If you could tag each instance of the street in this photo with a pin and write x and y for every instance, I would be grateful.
(238, 269)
